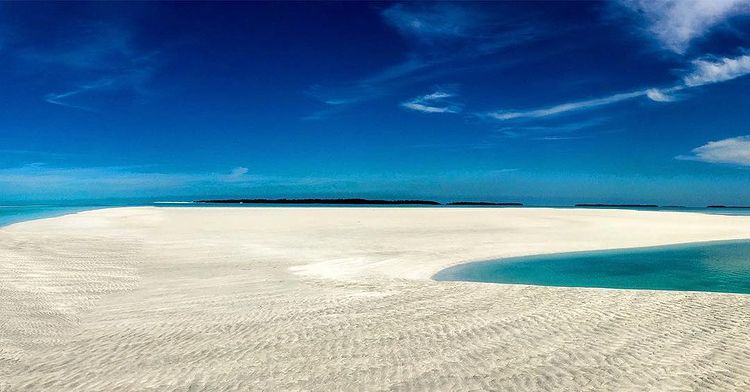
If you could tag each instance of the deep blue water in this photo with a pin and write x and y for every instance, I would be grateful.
(712, 266)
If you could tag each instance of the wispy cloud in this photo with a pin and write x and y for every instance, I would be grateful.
(734, 151)
(436, 102)
(62, 99)
(556, 138)
(707, 71)
(676, 23)
(238, 173)
(84, 96)
(59, 99)
(704, 72)
(550, 132)
(430, 22)
(442, 37)
(566, 107)
(658, 95)
(39, 179)
(93, 47)
(98, 59)
(338, 98)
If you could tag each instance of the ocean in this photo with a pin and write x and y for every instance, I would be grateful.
(10, 214)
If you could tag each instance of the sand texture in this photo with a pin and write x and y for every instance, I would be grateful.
(323, 299)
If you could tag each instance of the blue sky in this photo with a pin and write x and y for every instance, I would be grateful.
(544, 103)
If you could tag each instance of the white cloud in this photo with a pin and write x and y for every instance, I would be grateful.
(85, 96)
(426, 109)
(566, 107)
(704, 72)
(657, 95)
(676, 23)
(238, 174)
(734, 150)
(62, 98)
(720, 70)
(437, 95)
(239, 171)
(436, 102)
(443, 37)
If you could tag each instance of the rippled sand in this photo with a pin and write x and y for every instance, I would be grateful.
(193, 299)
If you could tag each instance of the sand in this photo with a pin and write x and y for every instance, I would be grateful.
(214, 299)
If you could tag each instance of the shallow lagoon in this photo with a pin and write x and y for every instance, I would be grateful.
(14, 214)
(712, 266)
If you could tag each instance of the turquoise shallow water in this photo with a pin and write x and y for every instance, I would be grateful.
(715, 266)
(14, 214)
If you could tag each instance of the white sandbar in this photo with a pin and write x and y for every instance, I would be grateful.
(341, 299)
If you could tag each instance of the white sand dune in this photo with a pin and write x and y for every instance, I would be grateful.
(193, 299)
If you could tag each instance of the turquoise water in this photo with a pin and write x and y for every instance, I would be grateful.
(15, 214)
(714, 266)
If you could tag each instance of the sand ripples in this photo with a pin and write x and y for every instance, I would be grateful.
(165, 314)
(47, 284)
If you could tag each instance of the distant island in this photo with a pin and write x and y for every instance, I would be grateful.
(617, 205)
(321, 201)
(723, 206)
(481, 203)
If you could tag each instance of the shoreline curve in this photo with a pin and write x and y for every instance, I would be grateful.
(140, 298)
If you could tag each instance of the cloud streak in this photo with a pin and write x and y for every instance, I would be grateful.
(442, 38)
(238, 174)
(38, 179)
(101, 59)
(704, 72)
(91, 48)
(40, 182)
(433, 103)
(127, 81)
(675, 24)
(734, 151)
(550, 132)
(566, 107)
(657, 95)
(62, 98)
(430, 22)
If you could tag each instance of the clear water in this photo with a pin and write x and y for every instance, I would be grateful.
(15, 214)
(713, 266)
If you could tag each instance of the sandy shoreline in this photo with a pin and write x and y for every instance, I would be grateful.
(150, 298)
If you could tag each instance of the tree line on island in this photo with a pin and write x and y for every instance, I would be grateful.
(355, 201)
(362, 201)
